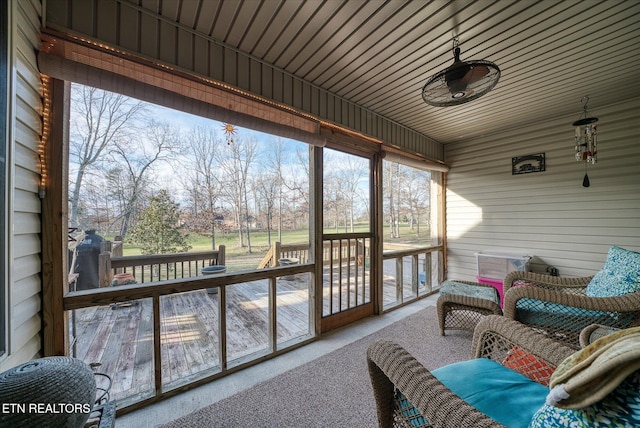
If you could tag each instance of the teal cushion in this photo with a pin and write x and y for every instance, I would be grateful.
(620, 274)
(470, 290)
(504, 395)
(554, 315)
(621, 408)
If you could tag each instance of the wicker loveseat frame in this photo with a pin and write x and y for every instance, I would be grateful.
(559, 307)
(392, 369)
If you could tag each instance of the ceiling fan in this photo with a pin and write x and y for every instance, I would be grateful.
(461, 82)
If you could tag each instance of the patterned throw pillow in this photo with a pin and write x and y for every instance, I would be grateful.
(529, 365)
(621, 408)
(619, 276)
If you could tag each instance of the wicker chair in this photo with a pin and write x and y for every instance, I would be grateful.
(558, 306)
(392, 369)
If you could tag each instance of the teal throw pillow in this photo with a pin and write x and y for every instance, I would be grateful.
(619, 276)
(621, 408)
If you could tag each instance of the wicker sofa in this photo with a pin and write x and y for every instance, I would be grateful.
(409, 395)
(560, 308)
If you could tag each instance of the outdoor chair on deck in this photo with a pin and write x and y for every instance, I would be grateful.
(516, 378)
(561, 307)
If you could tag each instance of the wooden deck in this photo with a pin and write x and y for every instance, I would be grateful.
(120, 338)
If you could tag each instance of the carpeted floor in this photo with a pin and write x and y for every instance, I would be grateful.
(334, 390)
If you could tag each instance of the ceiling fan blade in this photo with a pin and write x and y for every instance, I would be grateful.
(437, 91)
(476, 73)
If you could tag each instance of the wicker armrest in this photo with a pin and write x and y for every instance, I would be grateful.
(575, 285)
(495, 337)
(391, 367)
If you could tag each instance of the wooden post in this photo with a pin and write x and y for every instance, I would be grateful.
(276, 253)
(105, 275)
(55, 265)
(105, 247)
(116, 247)
(221, 255)
(116, 250)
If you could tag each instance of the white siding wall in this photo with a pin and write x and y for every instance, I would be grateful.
(547, 214)
(23, 214)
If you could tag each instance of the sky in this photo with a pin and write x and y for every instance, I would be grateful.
(167, 174)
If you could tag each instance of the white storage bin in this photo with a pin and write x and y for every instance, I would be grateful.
(497, 266)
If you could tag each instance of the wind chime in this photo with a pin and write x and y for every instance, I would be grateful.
(586, 141)
(229, 131)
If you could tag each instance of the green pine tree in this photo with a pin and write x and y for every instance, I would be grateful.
(158, 230)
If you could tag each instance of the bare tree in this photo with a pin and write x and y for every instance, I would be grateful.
(98, 119)
(391, 176)
(235, 166)
(268, 190)
(275, 165)
(350, 177)
(121, 186)
(201, 178)
(296, 182)
(158, 142)
(416, 194)
(333, 202)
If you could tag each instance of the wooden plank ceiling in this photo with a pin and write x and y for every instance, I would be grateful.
(379, 54)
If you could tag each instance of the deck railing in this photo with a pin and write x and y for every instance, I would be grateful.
(346, 258)
(279, 251)
(330, 252)
(411, 272)
(159, 338)
(157, 267)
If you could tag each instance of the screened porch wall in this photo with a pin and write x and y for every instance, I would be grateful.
(546, 214)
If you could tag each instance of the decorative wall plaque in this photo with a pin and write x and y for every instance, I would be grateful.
(527, 164)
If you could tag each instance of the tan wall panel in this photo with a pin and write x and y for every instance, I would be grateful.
(186, 49)
(24, 206)
(26, 201)
(26, 180)
(200, 64)
(547, 214)
(148, 36)
(26, 245)
(25, 352)
(28, 266)
(22, 310)
(106, 25)
(27, 224)
(166, 43)
(25, 336)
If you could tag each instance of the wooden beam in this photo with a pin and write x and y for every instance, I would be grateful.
(377, 226)
(55, 277)
(315, 189)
